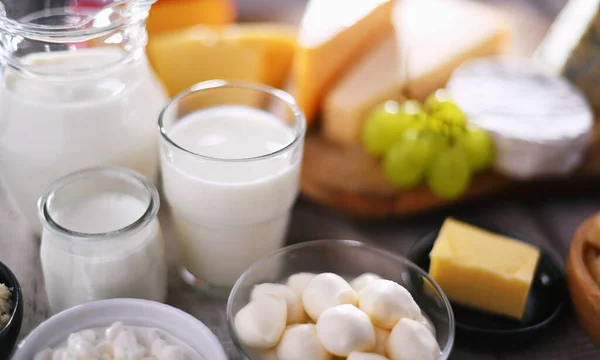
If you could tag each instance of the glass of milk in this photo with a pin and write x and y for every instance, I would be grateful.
(76, 91)
(230, 163)
(101, 238)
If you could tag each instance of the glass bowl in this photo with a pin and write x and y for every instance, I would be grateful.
(348, 259)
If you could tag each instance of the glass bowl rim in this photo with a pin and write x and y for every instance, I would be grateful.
(445, 352)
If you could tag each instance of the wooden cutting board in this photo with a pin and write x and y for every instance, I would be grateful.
(348, 180)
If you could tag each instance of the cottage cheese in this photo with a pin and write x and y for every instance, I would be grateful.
(5, 305)
(120, 342)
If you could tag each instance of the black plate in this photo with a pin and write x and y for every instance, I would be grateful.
(545, 303)
(10, 333)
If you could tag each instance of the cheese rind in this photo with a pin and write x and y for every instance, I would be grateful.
(486, 271)
(330, 40)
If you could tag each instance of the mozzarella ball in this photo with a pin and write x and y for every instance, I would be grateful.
(423, 320)
(298, 282)
(300, 342)
(344, 329)
(325, 291)
(386, 302)
(411, 340)
(381, 336)
(360, 282)
(295, 311)
(261, 322)
(365, 356)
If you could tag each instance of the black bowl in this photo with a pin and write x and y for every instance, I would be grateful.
(10, 333)
(546, 301)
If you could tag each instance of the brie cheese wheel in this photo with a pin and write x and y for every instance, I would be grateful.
(540, 123)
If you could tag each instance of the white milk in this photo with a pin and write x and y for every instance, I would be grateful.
(49, 128)
(227, 215)
(79, 270)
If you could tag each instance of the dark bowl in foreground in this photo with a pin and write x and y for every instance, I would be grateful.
(10, 332)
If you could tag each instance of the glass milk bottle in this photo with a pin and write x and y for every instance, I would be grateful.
(76, 91)
(101, 238)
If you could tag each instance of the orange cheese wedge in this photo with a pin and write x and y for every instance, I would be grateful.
(166, 15)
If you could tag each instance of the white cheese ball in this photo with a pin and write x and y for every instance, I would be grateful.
(295, 311)
(344, 329)
(423, 320)
(381, 336)
(301, 342)
(298, 282)
(411, 340)
(386, 302)
(261, 322)
(325, 291)
(360, 282)
(365, 356)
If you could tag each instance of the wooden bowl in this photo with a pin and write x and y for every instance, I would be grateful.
(583, 275)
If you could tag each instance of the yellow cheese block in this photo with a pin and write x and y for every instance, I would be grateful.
(333, 34)
(483, 270)
(167, 15)
(435, 37)
(389, 71)
(250, 52)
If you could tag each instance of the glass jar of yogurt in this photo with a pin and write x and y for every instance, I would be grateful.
(102, 238)
(76, 91)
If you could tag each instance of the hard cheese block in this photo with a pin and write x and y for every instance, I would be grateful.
(415, 60)
(333, 33)
(435, 37)
(250, 52)
(483, 270)
(572, 48)
(167, 15)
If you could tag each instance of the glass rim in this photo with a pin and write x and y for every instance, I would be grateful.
(278, 94)
(72, 31)
(230, 317)
(106, 171)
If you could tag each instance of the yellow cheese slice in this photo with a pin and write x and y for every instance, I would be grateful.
(333, 33)
(249, 52)
(389, 71)
(168, 15)
(435, 37)
(486, 271)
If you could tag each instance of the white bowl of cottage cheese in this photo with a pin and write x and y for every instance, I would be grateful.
(121, 329)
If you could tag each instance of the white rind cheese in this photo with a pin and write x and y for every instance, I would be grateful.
(541, 124)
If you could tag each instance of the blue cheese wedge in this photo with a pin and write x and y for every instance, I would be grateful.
(541, 124)
(5, 305)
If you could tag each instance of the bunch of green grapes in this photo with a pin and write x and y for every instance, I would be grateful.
(432, 142)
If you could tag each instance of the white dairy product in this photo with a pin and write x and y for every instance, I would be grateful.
(120, 342)
(131, 265)
(344, 329)
(381, 337)
(386, 302)
(301, 342)
(361, 281)
(5, 305)
(51, 127)
(261, 322)
(295, 311)
(365, 356)
(299, 281)
(325, 291)
(228, 214)
(540, 123)
(410, 339)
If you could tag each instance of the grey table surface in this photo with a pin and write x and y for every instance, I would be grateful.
(547, 220)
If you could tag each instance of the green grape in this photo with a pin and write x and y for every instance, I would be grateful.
(440, 105)
(479, 147)
(405, 164)
(386, 124)
(449, 176)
